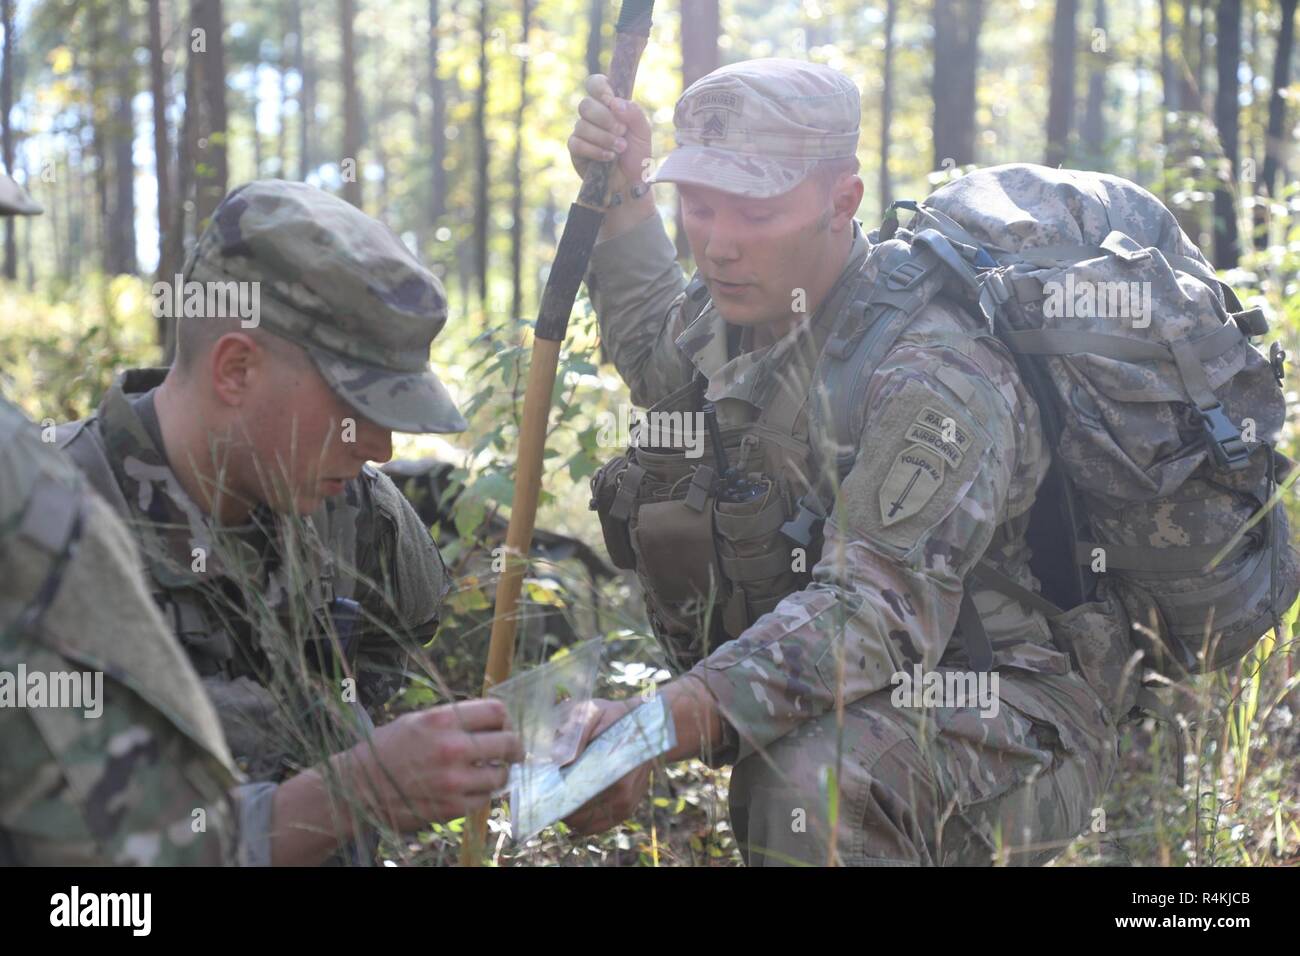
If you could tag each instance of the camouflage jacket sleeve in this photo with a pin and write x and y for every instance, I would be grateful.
(636, 289)
(138, 778)
(124, 789)
(404, 581)
(938, 470)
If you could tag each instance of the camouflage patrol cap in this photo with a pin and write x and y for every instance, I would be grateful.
(14, 200)
(757, 128)
(342, 286)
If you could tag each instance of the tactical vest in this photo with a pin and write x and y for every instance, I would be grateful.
(718, 540)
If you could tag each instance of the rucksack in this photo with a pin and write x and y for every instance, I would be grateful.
(1159, 527)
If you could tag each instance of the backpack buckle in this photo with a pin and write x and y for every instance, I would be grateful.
(906, 275)
(1230, 452)
(1277, 359)
(994, 293)
(1251, 322)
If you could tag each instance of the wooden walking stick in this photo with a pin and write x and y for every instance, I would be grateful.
(567, 271)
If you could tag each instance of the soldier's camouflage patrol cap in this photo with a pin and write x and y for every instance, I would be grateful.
(14, 200)
(342, 286)
(757, 128)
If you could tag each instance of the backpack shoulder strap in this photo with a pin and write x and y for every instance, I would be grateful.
(879, 310)
(881, 305)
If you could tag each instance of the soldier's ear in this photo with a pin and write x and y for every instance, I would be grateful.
(234, 362)
(846, 197)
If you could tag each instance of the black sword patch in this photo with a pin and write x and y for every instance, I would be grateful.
(912, 480)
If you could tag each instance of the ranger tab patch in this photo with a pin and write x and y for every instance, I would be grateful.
(940, 432)
(913, 479)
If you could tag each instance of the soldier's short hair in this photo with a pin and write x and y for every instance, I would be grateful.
(828, 172)
(195, 337)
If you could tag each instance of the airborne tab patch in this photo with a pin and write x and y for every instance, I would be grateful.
(940, 432)
(913, 479)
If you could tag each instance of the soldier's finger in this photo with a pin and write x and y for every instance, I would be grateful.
(497, 745)
(598, 115)
(484, 713)
(581, 149)
(598, 85)
(486, 778)
(593, 134)
(635, 120)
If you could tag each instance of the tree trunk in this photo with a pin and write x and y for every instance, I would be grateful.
(1094, 129)
(188, 150)
(351, 105)
(211, 172)
(1060, 104)
(1276, 140)
(167, 266)
(1189, 94)
(1168, 88)
(254, 104)
(306, 91)
(1227, 54)
(595, 21)
(1203, 16)
(887, 105)
(286, 63)
(438, 132)
(375, 135)
(482, 217)
(956, 61)
(701, 28)
(122, 236)
(517, 204)
(6, 131)
(98, 148)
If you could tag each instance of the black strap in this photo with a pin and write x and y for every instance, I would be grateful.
(979, 652)
(989, 576)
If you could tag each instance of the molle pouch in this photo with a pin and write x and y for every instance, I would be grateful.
(613, 493)
(672, 538)
(759, 563)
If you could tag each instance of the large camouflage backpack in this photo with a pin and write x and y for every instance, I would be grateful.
(1159, 527)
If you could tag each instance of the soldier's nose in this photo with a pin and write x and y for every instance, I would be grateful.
(376, 443)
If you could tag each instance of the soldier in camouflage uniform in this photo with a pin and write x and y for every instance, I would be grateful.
(141, 777)
(799, 699)
(300, 582)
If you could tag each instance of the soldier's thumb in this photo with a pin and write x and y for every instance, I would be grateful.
(638, 124)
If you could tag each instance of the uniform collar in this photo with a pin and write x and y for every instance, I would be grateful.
(748, 376)
(182, 547)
